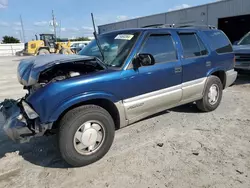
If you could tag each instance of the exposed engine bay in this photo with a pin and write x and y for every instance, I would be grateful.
(65, 71)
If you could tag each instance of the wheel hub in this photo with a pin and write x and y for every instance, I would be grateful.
(213, 94)
(89, 137)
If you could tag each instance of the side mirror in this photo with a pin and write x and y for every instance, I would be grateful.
(235, 42)
(143, 60)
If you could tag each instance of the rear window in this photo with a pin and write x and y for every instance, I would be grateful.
(192, 45)
(219, 41)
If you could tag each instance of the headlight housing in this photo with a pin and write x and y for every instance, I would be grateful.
(29, 111)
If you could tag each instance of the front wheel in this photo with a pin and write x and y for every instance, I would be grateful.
(43, 52)
(65, 51)
(86, 134)
(212, 95)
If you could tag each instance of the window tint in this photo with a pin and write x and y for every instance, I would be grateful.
(219, 41)
(192, 45)
(203, 49)
(161, 47)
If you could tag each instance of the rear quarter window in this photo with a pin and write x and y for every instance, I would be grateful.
(219, 41)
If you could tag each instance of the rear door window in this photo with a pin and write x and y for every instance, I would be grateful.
(192, 45)
(219, 41)
(161, 46)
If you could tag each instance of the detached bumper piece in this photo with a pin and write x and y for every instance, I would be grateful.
(15, 125)
(231, 76)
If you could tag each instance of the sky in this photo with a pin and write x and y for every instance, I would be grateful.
(73, 16)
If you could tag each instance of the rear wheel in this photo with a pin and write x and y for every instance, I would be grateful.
(43, 52)
(212, 95)
(86, 134)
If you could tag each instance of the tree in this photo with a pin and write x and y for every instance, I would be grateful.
(10, 39)
(80, 39)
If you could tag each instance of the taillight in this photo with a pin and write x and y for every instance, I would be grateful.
(234, 60)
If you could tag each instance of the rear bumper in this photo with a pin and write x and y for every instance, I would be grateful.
(231, 76)
(15, 125)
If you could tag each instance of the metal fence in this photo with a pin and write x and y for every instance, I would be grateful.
(10, 49)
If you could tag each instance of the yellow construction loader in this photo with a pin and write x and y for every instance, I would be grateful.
(46, 45)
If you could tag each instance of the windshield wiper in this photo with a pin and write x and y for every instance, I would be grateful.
(96, 39)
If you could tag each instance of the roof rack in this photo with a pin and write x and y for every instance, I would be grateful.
(159, 26)
(196, 26)
(180, 26)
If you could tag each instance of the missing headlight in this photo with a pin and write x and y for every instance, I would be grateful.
(29, 111)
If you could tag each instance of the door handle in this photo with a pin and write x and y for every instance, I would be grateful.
(178, 69)
(208, 63)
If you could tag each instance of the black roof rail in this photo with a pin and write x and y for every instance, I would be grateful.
(180, 26)
(196, 26)
(159, 26)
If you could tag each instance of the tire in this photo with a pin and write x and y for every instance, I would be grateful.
(65, 51)
(206, 104)
(70, 126)
(43, 52)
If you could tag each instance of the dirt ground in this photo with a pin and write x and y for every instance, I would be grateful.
(178, 148)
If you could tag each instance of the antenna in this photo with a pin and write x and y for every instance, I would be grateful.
(96, 39)
(93, 21)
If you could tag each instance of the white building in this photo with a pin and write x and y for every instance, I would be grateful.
(232, 16)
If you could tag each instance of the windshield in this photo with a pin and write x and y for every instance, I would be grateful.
(115, 46)
(245, 40)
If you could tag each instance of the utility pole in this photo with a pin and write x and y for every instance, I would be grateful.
(20, 33)
(21, 21)
(54, 23)
(60, 29)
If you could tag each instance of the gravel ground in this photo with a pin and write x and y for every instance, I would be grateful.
(177, 148)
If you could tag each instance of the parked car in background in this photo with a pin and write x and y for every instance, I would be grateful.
(242, 53)
(78, 46)
(122, 78)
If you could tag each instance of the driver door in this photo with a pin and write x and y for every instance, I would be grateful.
(156, 87)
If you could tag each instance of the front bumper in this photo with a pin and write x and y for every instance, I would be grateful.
(15, 125)
(231, 76)
(242, 66)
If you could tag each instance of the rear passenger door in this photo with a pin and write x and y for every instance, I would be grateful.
(194, 65)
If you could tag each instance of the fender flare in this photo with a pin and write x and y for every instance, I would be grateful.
(211, 71)
(74, 100)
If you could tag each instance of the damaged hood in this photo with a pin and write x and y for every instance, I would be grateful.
(28, 70)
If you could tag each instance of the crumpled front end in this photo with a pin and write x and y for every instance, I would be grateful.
(21, 121)
(15, 125)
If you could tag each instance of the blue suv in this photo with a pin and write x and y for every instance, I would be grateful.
(242, 53)
(119, 79)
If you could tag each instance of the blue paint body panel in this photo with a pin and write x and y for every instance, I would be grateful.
(119, 84)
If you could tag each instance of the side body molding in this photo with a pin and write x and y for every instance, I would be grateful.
(142, 106)
(193, 90)
(147, 104)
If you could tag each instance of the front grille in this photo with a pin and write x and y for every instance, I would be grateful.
(242, 57)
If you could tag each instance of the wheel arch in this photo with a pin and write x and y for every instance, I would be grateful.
(113, 106)
(220, 73)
